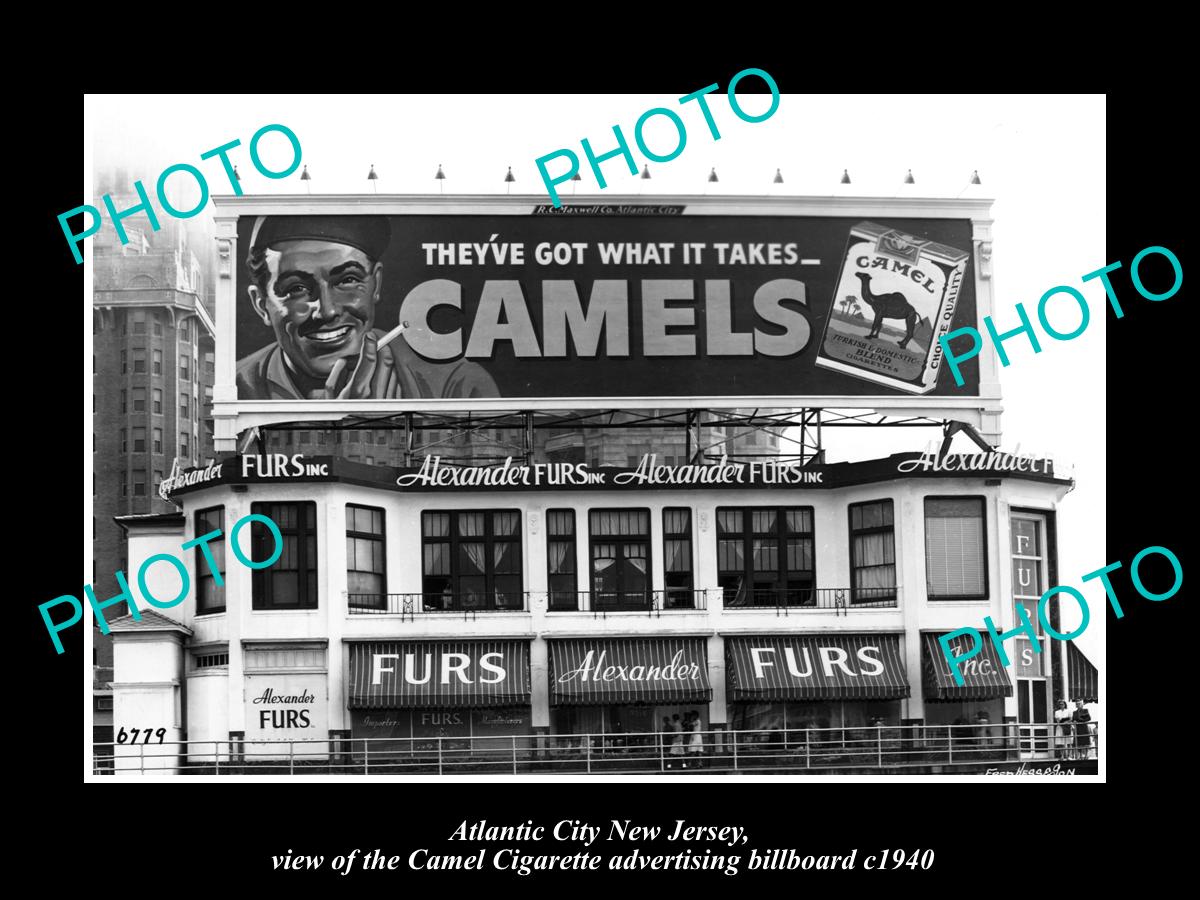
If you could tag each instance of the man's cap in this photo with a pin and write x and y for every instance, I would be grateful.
(370, 234)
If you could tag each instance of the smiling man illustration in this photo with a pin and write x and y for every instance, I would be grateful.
(316, 281)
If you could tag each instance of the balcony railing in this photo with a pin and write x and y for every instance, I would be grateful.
(418, 604)
(650, 602)
(878, 749)
(781, 600)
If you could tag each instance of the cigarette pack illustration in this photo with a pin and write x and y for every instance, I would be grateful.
(895, 296)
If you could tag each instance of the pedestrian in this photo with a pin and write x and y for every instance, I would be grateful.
(1083, 732)
(695, 747)
(676, 750)
(1063, 729)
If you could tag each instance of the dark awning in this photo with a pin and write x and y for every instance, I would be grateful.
(398, 674)
(1083, 681)
(816, 667)
(638, 670)
(983, 676)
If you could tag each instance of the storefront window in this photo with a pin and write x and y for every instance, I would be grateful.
(677, 558)
(366, 570)
(616, 727)
(291, 581)
(620, 552)
(210, 597)
(560, 559)
(472, 559)
(872, 552)
(765, 556)
(843, 726)
(955, 561)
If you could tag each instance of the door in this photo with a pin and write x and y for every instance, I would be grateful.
(1033, 717)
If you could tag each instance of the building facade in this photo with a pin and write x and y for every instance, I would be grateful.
(351, 585)
(412, 612)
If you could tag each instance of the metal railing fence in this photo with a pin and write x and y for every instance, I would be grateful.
(877, 748)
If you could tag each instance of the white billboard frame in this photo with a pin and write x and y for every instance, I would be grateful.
(232, 415)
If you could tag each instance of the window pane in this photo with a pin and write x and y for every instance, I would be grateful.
(953, 507)
(437, 559)
(763, 521)
(507, 558)
(799, 521)
(799, 556)
(677, 521)
(729, 521)
(954, 555)
(437, 524)
(471, 558)
(470, 524)
(505, 522)
(560, 523)
(677, 556)
(730, 556)
(766, 556)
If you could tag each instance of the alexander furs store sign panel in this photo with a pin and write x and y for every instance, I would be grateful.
(290, 706)
(435, 474)
(481, 307)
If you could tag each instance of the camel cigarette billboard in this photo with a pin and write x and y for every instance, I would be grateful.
(608, 303)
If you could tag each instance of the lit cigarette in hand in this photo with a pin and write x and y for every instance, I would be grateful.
(340, 366)
(391, 336)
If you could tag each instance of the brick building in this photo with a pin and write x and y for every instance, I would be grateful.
(152, 371)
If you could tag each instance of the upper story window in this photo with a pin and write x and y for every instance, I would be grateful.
(620, 552)
(210, 597)
(366, 566)
(955, 549)
(765, 556)
(139, 321)
(472, 559)
(872, 552)
(561, 577)
(677, 557)
(291, 581)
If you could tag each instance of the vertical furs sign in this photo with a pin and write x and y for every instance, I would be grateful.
(624, 304)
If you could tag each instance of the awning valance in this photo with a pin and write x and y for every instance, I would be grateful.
(983, 676)
(399, 674)
(1083, 681)
(638, 670)
(816, 667)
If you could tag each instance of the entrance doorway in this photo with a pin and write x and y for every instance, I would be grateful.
(1033, 717)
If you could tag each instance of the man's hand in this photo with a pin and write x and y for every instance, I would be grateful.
(373, 376)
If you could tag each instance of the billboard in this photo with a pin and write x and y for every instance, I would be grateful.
(633, 303)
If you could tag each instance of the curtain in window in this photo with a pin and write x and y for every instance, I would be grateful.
(557, 552)
(676, 556)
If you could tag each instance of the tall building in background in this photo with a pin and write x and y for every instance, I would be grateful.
(152, 371)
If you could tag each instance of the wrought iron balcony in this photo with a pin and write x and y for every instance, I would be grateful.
(418, 604)
(782, 600)
(649, 602)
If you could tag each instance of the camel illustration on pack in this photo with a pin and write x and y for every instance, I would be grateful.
(896, 275)
(888, 306)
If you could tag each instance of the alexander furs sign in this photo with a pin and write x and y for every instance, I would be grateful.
(489, 307)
